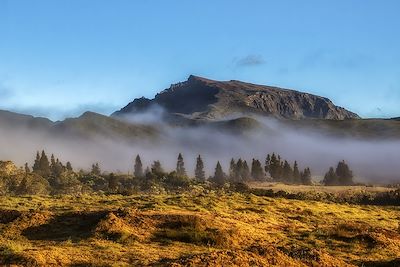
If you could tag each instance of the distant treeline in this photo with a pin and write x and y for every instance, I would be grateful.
(54, 177)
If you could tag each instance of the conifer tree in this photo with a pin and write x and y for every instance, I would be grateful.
(287, 172)
(156, 167)
(180, 166)
(296, 173)
(275, 167)
(69, 167)
(96, 169)
(239, 171)
(232, 170)
(138, 168)
(36, 165)
(52, 162)
(113, 182)
(257, 172)
(44, 165)
(267, 163)
(306, 177)
(330, 177)
(219, 175)
(344, 174)
(199, 171)
(27, 170)
(245, 172)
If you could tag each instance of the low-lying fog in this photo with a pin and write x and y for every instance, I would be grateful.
(371, 160)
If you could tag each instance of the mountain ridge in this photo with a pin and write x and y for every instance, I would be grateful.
(203, 98)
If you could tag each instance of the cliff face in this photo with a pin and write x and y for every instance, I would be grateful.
(208, 99)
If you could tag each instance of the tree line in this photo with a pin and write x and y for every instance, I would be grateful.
(53, 176)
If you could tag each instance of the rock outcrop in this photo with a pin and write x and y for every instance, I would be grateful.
(208, 99)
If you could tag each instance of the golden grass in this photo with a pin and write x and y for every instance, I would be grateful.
(196, 228)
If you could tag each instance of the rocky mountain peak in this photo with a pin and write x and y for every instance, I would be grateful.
(204, 98)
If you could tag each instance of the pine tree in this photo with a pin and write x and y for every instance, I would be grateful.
(257, 172)
(232, 170)
(344, 174)
(219, 175)
(27, 170)
(180, 166)
(199, 171)
(69, 167)
(58, 169)
(239, 171)
(96, 169)
(330, 178)
(156, 167)
(274, 166)
(296, 173)
(306, 177)
(52, 161)
(44, 165)
(245, 172)
(138, 168)
(287, 172)
(267, 164)
(36, 165)
(113, 182)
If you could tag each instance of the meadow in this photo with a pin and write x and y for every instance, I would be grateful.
(198, 227)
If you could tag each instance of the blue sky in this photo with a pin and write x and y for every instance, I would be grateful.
(60, 58)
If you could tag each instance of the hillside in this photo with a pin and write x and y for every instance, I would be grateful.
(194, 229)
(203, 98)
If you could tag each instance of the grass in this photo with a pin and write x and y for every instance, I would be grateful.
(194, 229)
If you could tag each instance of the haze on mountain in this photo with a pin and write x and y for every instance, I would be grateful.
(218, 119)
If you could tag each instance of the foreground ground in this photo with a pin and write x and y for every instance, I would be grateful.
(197, 228)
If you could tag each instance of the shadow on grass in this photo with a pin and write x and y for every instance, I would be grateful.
(72, 226)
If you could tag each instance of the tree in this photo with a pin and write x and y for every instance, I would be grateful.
(33, 184)
(245, 173)
(174, 180)
(96, 169)
(330, 178)
(180, 166)
(257, 172)
(156, 167)
(36, 165)
(287, 172)
(219, 175)
(58, 169)
(69, 167)
(238, 177)
(52, 163)
(233, 175)
(296, 173)
(344, 174)
(267, 163)
(275, 168)
(199, 173)
(138, 168)
(44, 165)
(113, 182)
(27, 170)
(306, 177)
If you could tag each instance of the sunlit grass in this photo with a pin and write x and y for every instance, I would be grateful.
(150, 229)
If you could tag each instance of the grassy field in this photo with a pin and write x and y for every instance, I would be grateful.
(197, 228)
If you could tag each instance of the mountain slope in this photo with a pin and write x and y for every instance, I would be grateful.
(201, 98)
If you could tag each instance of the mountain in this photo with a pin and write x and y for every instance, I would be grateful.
(201, 98)
(89, 125)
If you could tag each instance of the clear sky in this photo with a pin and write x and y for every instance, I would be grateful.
(60, 58)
